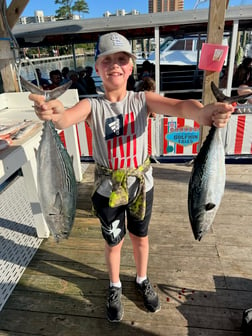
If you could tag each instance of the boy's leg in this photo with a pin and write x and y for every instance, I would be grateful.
(113, 257)
(138, 231)
(143, 285)
(113, 230)
(141, 253)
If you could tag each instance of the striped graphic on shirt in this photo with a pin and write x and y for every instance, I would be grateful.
(121, 141)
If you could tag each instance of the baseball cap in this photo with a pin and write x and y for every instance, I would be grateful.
(112, 43)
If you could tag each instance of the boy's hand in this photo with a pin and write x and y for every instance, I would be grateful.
(50, 110)
(217, 114)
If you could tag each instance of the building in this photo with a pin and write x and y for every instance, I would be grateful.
(121, 12)
(165, 5)
(39, 17)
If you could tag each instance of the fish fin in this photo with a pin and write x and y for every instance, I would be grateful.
(220, 97)
(31, 87)
(209, 206)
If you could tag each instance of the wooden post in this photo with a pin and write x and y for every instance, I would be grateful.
(7, 57)
(14, 11)
(216, 23)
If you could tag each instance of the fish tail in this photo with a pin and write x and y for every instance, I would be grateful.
(220, 97)
(31, 87)
(49, 94)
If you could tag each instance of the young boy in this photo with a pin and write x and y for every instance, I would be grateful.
(123, 176)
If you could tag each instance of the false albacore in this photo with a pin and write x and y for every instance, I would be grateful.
(57, 188)
(207, 180)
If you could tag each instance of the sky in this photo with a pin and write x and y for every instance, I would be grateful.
(98, 7)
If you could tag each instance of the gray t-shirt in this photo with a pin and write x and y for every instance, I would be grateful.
(119, 136)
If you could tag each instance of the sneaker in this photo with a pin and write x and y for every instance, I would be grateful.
(151, 300)
(114, 304)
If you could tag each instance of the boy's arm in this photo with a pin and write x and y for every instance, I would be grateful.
(55, 111)
(217, 113)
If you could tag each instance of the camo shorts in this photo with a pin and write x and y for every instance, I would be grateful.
(113, 219)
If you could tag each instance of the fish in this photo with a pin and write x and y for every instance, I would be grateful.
(17, 130)
(12, 129)
(208, 176)
(57, 187)
(30, 125)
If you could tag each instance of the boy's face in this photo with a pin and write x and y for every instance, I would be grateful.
(114, 69)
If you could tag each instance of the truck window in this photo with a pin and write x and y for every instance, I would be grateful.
(189, 44)
(179, 45)
(165, 44)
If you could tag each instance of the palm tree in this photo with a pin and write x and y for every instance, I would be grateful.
(80, 6)
(68, 7)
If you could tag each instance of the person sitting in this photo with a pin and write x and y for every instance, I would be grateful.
(244, 104)
(81, 74)
(55, 78)
(88, 82)
(147, 70)
(243, 74)
(73, 76)
(64, 73)
(43, 82)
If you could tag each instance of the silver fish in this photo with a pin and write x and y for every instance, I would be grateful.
(11, 130)
(29, 126)
(207, 180)
(57, 188)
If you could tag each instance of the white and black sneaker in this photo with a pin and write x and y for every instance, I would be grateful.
(150, 297)
(114, 304)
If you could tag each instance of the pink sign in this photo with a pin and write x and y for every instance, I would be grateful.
(212, 57)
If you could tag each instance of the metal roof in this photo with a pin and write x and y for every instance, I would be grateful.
(177, 23)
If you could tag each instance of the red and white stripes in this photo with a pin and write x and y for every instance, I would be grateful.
(237, 140)
(239, 135)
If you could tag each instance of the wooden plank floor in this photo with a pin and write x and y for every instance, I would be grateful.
(204, 286)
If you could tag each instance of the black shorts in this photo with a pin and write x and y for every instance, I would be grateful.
(113, 219)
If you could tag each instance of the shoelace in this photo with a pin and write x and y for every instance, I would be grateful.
(114, 296)
(148, 290)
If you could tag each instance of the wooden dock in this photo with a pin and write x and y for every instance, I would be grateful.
(203, 286)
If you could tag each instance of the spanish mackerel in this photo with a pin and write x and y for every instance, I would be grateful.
(57, 188)
(207, 180)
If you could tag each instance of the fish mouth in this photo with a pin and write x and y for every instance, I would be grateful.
(58, 226)
(61, 235)
(198, 227)
(198, 234)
